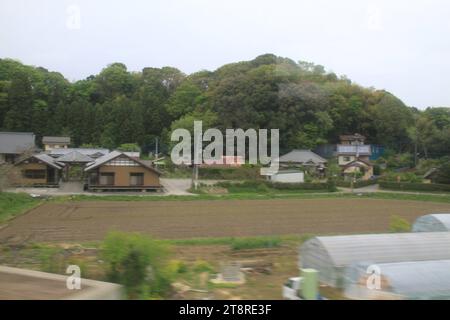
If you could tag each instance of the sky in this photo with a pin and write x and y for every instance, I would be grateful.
(400, 46)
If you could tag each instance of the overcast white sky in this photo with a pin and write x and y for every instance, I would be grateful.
(398, 45)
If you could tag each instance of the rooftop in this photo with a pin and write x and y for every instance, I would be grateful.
(16, 142)
(302, 157)
(51, 139)
(74, 156)
(85, 151)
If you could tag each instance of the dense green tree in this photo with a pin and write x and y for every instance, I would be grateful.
(309, 105)
(20, 103)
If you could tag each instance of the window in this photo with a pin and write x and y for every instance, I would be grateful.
(136, 179)
(10, 158)
(107, 178)
(347, 159)
(34, 174)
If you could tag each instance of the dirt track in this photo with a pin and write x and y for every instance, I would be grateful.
(83, 221)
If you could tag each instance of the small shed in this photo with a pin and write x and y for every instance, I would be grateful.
(432, 223)
(412, 280)
(332, 255)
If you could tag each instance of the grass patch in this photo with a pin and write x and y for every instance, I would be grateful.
(406, 196)
(13, 204)
(255, 243)
(285, 194)
(240, 242)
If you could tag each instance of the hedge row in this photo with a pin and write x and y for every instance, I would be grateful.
(241, 173)
(357, 184)
(408, 186)
(275, 185)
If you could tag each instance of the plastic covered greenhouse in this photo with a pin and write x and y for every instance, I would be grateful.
(432, 223)
(416, 280)
(331, 255)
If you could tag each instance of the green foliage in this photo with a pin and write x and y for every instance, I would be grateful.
(307, 103)
(202, 266)
(400, 177)
(398, 224)
(263, 186)
(254, 243)
(408, 186)
(130, 147)
(357, 184)
(240, 173)
(138, 263)
(443, 174)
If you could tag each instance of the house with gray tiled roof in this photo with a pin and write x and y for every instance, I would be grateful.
(13, 144)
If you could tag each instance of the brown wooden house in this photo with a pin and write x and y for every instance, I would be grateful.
(119, 171)
(38, 170)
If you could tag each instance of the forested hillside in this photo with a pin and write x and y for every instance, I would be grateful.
(309, 105)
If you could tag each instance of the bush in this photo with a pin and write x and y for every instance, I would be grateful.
(253, 243)
(202, 266)
(177, 267)
(406, 186)
(267, 186)
(403, 176)
(398, 224)
(239, 173)
(138, 263)
(443, 174)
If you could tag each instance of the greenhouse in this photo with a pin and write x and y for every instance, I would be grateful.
(432, 223)
(416, 280)
(331, 255)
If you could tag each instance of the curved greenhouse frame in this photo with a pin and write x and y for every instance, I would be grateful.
(414, 280)
(331, 255)
(432, 223)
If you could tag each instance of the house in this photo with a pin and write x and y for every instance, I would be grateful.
(51, 143)
(14, 144)
(358, 167)
(306, 159)
(38, 170)
(354, 156)
(118, 171)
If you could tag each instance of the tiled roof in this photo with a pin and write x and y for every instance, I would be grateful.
(74, 156)
(302, 156)
(49, 139)
(16, 142)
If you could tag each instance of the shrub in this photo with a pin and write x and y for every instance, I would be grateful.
(403, 176)
(443, 174)
(177, 267)
(267, 186)
(398, 224)
(406, 186)
(240, 173)
(138, 263)
(202, 266)
(357, 184)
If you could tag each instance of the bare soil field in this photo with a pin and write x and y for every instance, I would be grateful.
(91, 220)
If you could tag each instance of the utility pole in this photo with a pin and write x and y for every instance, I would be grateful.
(156, 148)
(415, 153)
